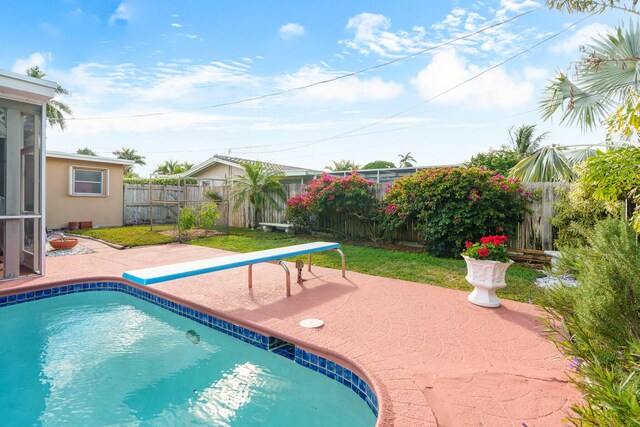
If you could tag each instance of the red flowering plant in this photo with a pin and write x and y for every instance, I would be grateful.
(448, 205)
(490, 248)
(326, 196)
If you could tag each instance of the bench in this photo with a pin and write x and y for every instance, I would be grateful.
(149, 276)
(272, 226)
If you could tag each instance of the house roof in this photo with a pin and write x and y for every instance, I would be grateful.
(85, 158)
(26, 89)
(237, 162)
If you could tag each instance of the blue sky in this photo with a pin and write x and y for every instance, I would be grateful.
(123, 60)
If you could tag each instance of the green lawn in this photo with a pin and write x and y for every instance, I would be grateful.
(412, 266)
(407, 265)
(135, 235)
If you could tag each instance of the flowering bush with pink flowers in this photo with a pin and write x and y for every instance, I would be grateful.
(329, 195)
(452, 205)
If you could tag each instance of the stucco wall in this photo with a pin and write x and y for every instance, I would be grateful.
(219, 171)
(62, 208)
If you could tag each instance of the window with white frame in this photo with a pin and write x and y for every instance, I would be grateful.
(85, 181)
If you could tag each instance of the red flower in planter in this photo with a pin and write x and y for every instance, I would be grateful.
(468, 244)
(483, 252)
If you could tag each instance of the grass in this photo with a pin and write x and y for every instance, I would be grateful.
(136, 235)
(412, 266)
(397, 264)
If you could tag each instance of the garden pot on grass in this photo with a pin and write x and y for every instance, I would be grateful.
(485, 277)
(84, 225)
(74, 225)
(66, 243)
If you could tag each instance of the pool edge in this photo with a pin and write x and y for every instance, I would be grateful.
(377, 392)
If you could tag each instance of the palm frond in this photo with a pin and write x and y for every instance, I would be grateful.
(546, 165)
(577, 156)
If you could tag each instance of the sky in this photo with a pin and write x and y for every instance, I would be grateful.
(187, 80)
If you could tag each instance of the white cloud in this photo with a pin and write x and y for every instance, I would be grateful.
(291, 30)
(584, 35)
(122, 13)
(176, 25)
(35, 59)
(494, 90)
(371, 35)
(348, 90)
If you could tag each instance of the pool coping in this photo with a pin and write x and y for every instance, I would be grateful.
(306, 355)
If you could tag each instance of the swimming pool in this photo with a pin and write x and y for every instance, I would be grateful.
(97, 358)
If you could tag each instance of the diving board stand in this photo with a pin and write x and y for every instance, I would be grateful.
(149, 276)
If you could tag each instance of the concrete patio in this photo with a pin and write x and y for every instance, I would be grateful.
(433, 358)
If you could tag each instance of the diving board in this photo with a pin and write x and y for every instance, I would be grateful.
(149, 276)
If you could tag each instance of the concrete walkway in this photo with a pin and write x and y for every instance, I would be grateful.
(434, 358)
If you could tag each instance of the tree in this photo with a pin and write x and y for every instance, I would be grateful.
(406, 160)
(129, 154)
(173, 167)
(379, 164)
(259, 185)
(593, 6)
(500, 161)
(86, 151)
(343, 165)
(56, 110)
(602, 91)
(522, 141)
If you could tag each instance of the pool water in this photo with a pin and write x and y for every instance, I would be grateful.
(107, 358)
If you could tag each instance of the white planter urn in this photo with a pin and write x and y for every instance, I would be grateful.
(486, 277)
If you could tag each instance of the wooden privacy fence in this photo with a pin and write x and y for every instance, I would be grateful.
(535, 231)
(161, 203)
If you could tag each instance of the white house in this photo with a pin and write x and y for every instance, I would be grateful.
(217, 169)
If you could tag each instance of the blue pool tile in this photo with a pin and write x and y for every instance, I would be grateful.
(304, 358)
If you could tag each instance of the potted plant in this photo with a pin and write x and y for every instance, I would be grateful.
(487, 264)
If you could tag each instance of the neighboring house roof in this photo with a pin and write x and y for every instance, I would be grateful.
(85, 158)
(237, 162)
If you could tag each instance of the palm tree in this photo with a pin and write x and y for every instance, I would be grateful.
(129, 154)
(56, 110)
(406, 160)
(86, 151)
(343, 165)
(259, 185)
(169, 167)
(522, 141)
(603, 92)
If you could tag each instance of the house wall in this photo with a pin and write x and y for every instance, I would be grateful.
(62, 208)
(219, 171)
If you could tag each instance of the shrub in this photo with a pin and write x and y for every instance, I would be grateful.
(160, 181)
(208, 215)
(187, 218)
(577, 212)
(453, 205)
(596, 325)
(328, 195)
(500, 161)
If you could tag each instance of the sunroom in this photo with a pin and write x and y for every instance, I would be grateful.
(23, 103)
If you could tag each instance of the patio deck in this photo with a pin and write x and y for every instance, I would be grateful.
(433, 358)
